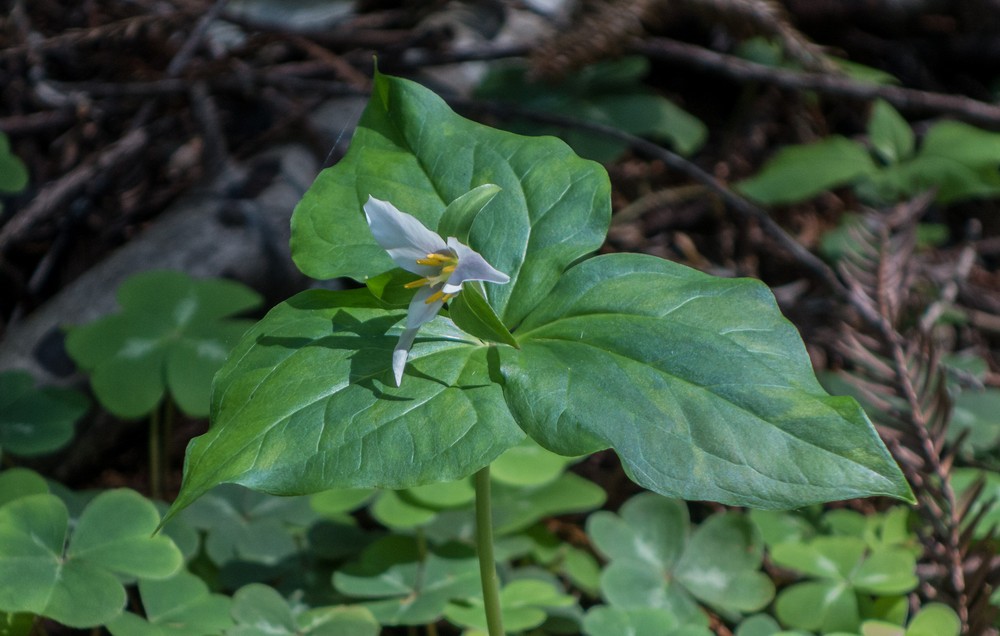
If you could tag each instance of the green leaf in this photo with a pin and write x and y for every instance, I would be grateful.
(178, 606)
(414, 585)
(36, 421)
(412, 150)
(13, 173)
(260, 611)
(456, 220)
(610, 93)
(523, 606)
(934, 619)
(397, 513)
(528, 464)
(654, 563)
(20, 482)
(243, 525)
(694, 381)
(826, 606)
(473, 315)
(890, 136)
(307, 402)
(516, 508)
(333, 503)
(38, 574)
(173, 333)
(976, 412)
(797, 173)
(603, 620)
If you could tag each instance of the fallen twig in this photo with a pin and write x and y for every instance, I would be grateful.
(905, 99)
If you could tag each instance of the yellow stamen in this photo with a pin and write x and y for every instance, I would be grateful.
(420, 282)
(436, 260)
(439, 295)
(448, 269)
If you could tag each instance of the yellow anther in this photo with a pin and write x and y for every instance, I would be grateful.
(448, 269)
(420, 282)
(439, 295)
(436, 260)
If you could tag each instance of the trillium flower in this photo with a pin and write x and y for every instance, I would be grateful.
(443, 265)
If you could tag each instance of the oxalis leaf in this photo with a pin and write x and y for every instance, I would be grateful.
(699, 384)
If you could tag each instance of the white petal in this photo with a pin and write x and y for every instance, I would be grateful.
(471, 266)
(403, 236)
(421, 311)
(400, 353)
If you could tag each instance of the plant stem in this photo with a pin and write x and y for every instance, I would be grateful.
(484, 547)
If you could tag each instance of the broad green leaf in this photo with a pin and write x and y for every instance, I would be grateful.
(260, 611)
(456, 220)
(410, 149)
(13, 173)
(40, 575)
(698, 383)
(523, 606)
(307, 402)
(172, 334)
(414, 585)
(178, 606)
(797, 173)
(890, 136)
(473, 315)
(36, 421)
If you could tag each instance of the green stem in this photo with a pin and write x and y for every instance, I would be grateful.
(484, 546)
(155, 455)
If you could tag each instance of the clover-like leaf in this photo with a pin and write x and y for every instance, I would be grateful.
(523, 605)
(243, 525)
(604, 620)
(694, 381)
(842, 567)
(13, 173)
(610, 93)
(412, 586)
(173, 334)
(41, 574)
(260, 611)
(20, 482)
(35, 421)
(178, 606)
(657, 562)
